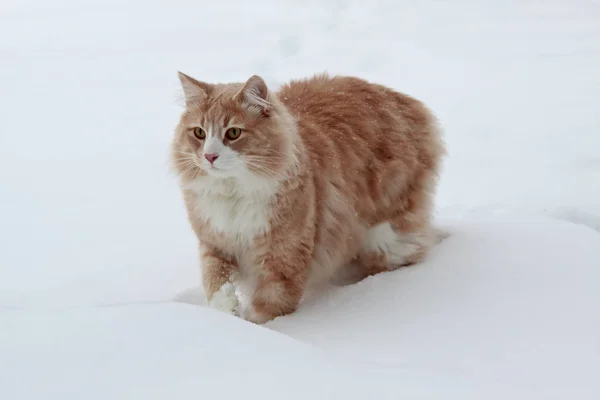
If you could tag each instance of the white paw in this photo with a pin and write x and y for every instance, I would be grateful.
(249, 314)
(225, 299)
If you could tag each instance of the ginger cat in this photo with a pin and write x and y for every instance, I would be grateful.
(286, 189)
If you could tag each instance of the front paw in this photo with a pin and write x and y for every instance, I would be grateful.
(225, 300)
(262, 313)
(251, 315)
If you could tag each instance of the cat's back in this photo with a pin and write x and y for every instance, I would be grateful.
(354, 120)
(321, 97)
(345, 100)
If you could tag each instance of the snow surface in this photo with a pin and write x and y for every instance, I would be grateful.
(98, 265)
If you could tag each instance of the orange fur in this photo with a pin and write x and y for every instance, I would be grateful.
(328, 172)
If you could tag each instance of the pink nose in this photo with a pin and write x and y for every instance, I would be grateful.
(211, 157)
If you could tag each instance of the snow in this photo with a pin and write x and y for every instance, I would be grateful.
(98, 266)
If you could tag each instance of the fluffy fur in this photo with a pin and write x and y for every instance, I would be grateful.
(329, 174)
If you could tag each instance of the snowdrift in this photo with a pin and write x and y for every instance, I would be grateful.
(506, 306)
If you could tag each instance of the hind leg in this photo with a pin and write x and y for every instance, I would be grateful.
(387, 248)
(403, 240)
(406, 235)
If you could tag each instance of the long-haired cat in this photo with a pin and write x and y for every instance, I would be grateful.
(285, 189)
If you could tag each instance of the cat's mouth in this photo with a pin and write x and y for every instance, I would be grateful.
(212, 167)
(205, 166)
(216, 171)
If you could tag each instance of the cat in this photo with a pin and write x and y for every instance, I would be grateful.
(286, 189)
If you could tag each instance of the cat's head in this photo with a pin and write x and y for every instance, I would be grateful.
(237, 132)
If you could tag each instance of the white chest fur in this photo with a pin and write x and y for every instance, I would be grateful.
(237, 215)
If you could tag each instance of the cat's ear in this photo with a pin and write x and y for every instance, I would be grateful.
(255, 96)
(193, 90)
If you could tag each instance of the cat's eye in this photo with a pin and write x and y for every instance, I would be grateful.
(199, 133)
(233, 133)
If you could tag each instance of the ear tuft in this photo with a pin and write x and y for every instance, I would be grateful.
(194, 91)
(255, 96)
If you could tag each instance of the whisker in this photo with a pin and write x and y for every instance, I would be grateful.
(191, 167)
(183, 162)
(184, 167)
(185, 153)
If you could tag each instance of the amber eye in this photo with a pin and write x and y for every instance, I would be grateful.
(199, 133)
(233, 133)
